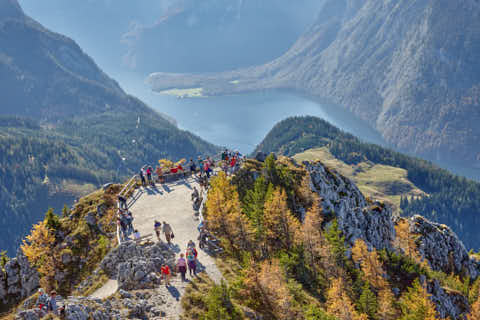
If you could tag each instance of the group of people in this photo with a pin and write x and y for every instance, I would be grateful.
(166, 229)
(146, 176)
(47, 304)
(231, 161)
(125, 224)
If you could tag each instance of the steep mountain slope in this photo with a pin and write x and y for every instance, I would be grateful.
(87, 131)
(409, 68)
(451, 200)
(178, 35)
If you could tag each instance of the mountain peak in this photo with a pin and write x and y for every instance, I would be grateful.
(10, 9)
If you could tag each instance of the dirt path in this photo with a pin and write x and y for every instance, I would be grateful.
(170, 203)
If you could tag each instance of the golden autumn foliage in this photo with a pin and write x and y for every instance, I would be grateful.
(339, 304)
(370, 264)
(386, 310)
(281, 227)
(405, 240)
(38, 249)
(416, 304)
(475, 310)
(267, 286)
(317, 250)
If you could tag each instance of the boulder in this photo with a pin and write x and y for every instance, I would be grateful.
(450, 304)
(28, 315)
(124, 252)
(137, 274)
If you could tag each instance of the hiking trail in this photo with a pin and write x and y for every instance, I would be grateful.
(170, 202)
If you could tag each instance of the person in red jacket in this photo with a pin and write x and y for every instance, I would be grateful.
(166, 274)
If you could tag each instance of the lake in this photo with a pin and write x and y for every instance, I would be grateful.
(242, 121)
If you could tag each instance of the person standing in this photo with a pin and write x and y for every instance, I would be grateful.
(149, 175)
(182, 266)
(166, 274)
(142, 177)
(42, 300)
(157, 226)
(167, 231)
(52, 302)
(192, 262)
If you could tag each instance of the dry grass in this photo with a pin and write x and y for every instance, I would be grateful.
(184, 93)
(193, 301)
(379, 182)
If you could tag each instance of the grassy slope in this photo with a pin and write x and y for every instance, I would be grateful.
(376, 181)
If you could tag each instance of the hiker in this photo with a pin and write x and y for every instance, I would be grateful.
(129, 221)
(136, 235)
(122, 202)
(159, 173)
(149, 175)
(200, 165)
(192, 166)
(192, 261)
(182, 266)
(195, 194)
(166, 274)
(206, 168)
(167, 230)
(52, 302)
(202, 238)
(191, 245)
(233, 163)
(142, 177)
(42, 300)
(157, 226)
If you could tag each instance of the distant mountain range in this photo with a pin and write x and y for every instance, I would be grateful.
(410, 68)
(179, 35)
(65, 126)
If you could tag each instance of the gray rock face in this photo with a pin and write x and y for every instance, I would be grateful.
(19, 281)
(449, 303)
(356, 218)
(440, 246)
(28, 315)
(135, 266)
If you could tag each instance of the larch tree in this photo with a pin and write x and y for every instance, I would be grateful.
(268, 288)
(222, 203)
(405, 240)
(386, 309)
(339, 304)
(416, 304)
(281, 227)
(475, 310)
(38, 248)
(370, 264)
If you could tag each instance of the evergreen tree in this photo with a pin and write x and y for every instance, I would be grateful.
(368, 302)
(52, 220)
(219, 304)
(337, 242)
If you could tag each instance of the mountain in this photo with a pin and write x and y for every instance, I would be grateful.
(409, 68)
(66, 127)
(178, 35)
(299, 241)
(414, 185)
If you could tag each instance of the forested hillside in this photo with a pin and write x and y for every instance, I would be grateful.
(452, 200)
(65, 126)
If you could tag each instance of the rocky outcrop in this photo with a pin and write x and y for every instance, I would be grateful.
(130, 305)
(135, 266)
(18, 281)
(357, 218)
(448, 303)
(440, 246)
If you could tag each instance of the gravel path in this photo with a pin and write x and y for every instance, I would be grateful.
(171, 203)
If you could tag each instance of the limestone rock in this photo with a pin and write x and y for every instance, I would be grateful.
(124, 252)
(442, 248)
(356, 218)
(450, 304)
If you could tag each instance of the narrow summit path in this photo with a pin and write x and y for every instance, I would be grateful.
(171, 203)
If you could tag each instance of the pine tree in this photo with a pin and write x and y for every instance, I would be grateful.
(368, 302)
(337, 242)
(254, 203)
(416, 304)
(281, 227)
(219, 304)
(52, 220)
(65, 211)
